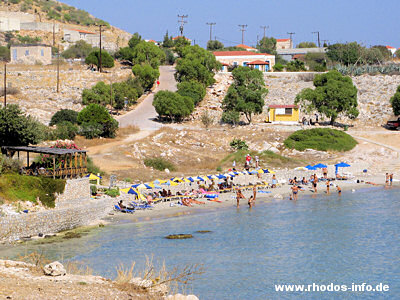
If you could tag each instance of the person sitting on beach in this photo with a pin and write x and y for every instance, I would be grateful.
(121, 206)
(239, 195)
(304, 181)
(325, 172)
(169, 194)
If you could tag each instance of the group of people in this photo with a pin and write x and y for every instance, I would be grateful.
(252, 199)
(388, 179)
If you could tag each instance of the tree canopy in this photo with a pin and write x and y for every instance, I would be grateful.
(80, 49)
(95, 121)
(146, 75)
(193, 89)
(213, 45)
(146, 52)
(267, 45)
(16, 129)
(247, 92)
(334, 94)
(395, 102)
(172, 105)
(106, 59)
(64, 115)
(167, 42)
(306, 45)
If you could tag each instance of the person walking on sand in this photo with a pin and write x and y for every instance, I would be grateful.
(328, 183)
(239, 195)
(234, 165)
(295, 191)
(257, 161)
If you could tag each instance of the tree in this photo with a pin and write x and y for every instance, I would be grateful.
(397, 53)
(214, 45)
(99, 94)
(306, 45)
(395, 102)
(267, 45)
(181, 42)
(64, 115)
(106, 59)
(4, 53)
(246, 94)
(387, 55)
(295, 66)
(95, 121)
(134, 40)
(172, 105)
(334, 94)
(346, 54)
(193, 89)
(146, 75)
(81, 49)
(16, 129)
(316, 61)
(149, 53)
(167, 42)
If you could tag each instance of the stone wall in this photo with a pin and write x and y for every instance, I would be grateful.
(76, 191)
(40, 26)
(13, 228)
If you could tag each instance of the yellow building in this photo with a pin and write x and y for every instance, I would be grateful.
(283, 114)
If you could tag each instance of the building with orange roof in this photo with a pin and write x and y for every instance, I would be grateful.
(260, 61)
(391, 49)
(284, 44)
(248, 48)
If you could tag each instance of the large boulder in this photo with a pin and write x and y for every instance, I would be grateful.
(182, 297)
(54, 269)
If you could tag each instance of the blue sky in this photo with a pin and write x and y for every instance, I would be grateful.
(370, 22)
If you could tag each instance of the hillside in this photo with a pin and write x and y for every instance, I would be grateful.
(39, 17)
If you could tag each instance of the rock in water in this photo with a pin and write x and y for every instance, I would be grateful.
(54, 269)
(179, 236)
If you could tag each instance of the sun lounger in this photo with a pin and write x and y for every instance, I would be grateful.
(124, 210)
(141, 206)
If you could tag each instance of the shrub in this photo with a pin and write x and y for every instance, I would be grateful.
(112, 192)
(192, 89)
(321, 139)
(9, 165)
(159, 163)
(230, 117)
(146, 75)
(66, 131)
(172, 105)
(278, 67)
(10, 91)
(295, 66)
(93, 190)
(106, 59)
(92, 168)
(81, 49)
(238, 144)
(95, 121)
(64, 115)
(395, 102)
(4, 53)
(207, 119)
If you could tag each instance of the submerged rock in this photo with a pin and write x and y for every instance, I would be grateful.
(179, 236)
(54, 269)
(203, 231)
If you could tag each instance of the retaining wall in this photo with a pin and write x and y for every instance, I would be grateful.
(76, 191)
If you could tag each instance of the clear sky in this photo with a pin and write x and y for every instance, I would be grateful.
(370, 22)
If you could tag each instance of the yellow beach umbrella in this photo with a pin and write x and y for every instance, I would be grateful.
(93, 177)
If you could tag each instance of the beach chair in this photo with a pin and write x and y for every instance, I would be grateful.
(125, 210)
(141, 206)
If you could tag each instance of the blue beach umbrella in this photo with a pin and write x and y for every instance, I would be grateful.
(252, 172)
(199, 178)
(341, 165)
(190, 179)
(320, 166)
(311, 168)
(221, 176)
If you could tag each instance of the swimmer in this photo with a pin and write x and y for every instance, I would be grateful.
(339, 190)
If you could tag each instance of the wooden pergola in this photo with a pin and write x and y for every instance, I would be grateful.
(72, 162)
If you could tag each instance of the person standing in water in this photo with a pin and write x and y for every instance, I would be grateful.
(315, 183)
(254, 194)
(239, 195)
(295, 191)
(339, 190)
(328, 183)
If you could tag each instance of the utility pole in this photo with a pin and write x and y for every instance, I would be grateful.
(183, 22)
(54, 34)
(325, 42)
(211, 25)
(242, 30)
(111, 91)
(290, 36)
(58, 69)
(319, 43)
(5, 83)
(265, 29)
(100, 67)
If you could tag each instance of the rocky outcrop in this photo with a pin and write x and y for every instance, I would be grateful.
(54, 269)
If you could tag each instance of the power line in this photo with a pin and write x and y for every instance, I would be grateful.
(242, 30)
(100, 67)
(211, 25)
(265, 29)
(183, 22)
(319, 43)
(290, 35)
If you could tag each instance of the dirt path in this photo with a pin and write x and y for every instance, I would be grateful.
(144, 114)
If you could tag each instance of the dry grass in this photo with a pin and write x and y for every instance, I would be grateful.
(78, 268)
(37, 259)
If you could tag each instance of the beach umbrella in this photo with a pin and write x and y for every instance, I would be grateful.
(199, 178)
(320, 166)
(176, 179)
(171, 183)
(93, 177)
(252, 172)
(310, 168)
(190, 179)
(212, 177)
(142, 186)
(301, 169)
(341, 165)
(220, 176)
(129, 190)
(154, 185)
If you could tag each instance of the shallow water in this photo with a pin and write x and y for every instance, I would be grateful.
(352, 239)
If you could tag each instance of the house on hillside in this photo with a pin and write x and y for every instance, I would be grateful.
(260, 61)
(177, 37)
(31, 54)
(75, 35)
(153, 41)
(284, 44)
(248, 48)
(283, 114)
(391, 49)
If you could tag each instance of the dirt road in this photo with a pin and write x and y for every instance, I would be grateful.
(143, 116)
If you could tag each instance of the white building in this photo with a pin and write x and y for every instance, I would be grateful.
(260, 61)
(391, 49)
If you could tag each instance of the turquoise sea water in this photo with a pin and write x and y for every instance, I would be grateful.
(322, 240)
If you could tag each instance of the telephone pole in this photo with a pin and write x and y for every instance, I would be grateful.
(100, 67)
(211, 25)
(290, 36)
(58, 69)
(54, 34)
(183, 22)
(265, 29)
(5, 83)
(319, 43)
(242, 30)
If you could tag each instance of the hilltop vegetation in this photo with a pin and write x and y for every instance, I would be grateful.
(53, 10)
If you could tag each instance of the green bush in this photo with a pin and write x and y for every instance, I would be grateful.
(172, 106)
(321, 139)
(4, 53)
(278, 67)
(96, 121)
(28, 40)
(81, 49)
(64, 115)
(93, 190)
(238, 144)
(107, 61)
(92, 168)
(295, 66)
(112, 192)
(66, 131)
(395, 102)
(159, 163)
(9, 165)
(192, 89)
(230, 117)
(146, 75)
